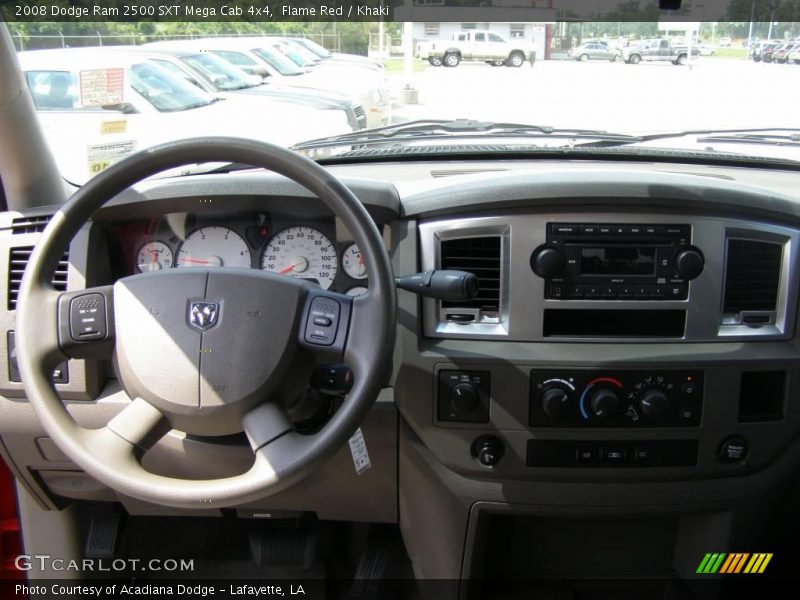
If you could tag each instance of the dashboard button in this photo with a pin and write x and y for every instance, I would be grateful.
(576, 291)
(624, 291)
(676, 292)
(556, 291)
(588, 229)
(563, 228)
(733, 449)
(605, 228)
(643, 454)
(609, 291)
(613, 455)
(322, 321)
(658, 292)
(641, 291)
(586, 454)
(592, 291)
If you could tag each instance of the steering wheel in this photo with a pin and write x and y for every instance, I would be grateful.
(207, 351)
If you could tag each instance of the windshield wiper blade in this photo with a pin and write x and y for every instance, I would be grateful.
(460, 128)
(741, 134)
(792, 139)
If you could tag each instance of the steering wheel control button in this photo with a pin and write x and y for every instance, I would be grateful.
(464, 396)
(613, 455)
(733, 449)
(323, 321)
(87, 318)
(586, 454)
(488, 449)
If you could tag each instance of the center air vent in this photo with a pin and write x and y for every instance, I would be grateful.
(752, 278)
(18, 260)
(33, 224)
(481, 256)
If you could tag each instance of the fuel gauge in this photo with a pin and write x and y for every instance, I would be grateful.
(353, 262)
(154, 256)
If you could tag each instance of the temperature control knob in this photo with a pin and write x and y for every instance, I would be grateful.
(654, 404)
(556, 402)
(605, 403)
(547, 261)
(464, 397)
(689, 262)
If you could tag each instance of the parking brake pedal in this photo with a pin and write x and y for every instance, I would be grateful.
(104, 531)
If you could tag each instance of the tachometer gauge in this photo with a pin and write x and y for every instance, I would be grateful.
(302, 252)
(214, 247)
(154, 256)
(353, 262)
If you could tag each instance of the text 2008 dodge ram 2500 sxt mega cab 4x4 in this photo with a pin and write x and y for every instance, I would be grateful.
(476, 45)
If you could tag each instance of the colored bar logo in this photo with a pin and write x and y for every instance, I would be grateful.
(735, 562)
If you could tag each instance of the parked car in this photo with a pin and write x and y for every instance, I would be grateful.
(336, 57)
(96, 108)
(216, 76)
(781, 53)
(763, 50)
(706, 49)
(594, 51)
(478, 45)
(794, 55)
(262, 57)
(725, 42)
(658, 50)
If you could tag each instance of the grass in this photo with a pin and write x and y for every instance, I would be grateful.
(396, 65)
(729, 53)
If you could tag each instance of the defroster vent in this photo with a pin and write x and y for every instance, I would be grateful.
(481, 256)
(752, 276)
(17, 261)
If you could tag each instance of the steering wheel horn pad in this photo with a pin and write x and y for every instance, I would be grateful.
(206, 351)
(206, 345)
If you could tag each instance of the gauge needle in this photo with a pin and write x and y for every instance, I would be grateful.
(197, 261)
(288, 269)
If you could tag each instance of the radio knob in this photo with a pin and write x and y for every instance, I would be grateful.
(555, 402)
(654, 404)
(689, 262)
(605, 403)
(547, 261)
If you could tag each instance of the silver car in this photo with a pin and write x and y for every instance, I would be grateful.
(594, 51)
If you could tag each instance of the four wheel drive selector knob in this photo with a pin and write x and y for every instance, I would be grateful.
(464, 397)
(689, 262)
(547, 261)
(605, 403)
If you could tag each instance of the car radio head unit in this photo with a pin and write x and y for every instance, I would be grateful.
(591, 261)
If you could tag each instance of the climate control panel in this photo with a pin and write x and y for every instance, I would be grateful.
(633, 399)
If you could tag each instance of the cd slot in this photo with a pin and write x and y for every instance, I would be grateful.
(615, 323)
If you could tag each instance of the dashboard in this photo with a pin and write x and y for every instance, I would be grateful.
(633, 345)
(316, 251)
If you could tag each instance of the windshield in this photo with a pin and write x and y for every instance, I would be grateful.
(314, 47)
(636, 85)
(278, 61)
(164, 91)
(221, 74)
(300, 56)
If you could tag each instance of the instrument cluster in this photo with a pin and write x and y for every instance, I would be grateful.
(317, 251)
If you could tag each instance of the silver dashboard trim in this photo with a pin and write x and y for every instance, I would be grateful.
(523, 294)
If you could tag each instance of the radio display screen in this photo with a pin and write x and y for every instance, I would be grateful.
(618, 260)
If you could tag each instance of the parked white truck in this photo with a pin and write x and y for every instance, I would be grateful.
(477, 45)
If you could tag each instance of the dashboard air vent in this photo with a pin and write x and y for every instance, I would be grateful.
(481, 256)
(752, 276)
(17, 261)
(33, 224)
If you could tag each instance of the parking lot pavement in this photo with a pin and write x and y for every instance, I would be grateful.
(712, 93)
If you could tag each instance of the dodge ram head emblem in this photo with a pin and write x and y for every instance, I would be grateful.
(203, 315)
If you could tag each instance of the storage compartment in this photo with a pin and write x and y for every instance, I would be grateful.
(761, 395)
(617, 323)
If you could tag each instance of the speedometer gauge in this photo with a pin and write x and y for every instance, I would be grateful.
(214, 247)
(302, 252)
